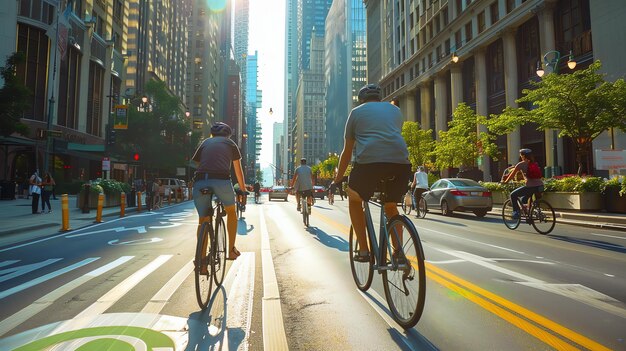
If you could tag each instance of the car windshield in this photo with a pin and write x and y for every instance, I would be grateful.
(465, 182)
(278, 188)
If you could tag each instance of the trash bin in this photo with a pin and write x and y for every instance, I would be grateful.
(85, 204)
(7, 190)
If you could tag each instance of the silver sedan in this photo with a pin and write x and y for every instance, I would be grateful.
(278, 192)
(459, 194)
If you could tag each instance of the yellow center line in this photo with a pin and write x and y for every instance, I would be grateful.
(465, 288)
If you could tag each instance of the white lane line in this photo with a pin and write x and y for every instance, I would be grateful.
(274, 337)
(48, 276)
(158, 301)
(8, 263)
(445, 262)
(610, 236)
(113, 295)
(474, 241)
(240, 298)
(24, 314)
(10, 273)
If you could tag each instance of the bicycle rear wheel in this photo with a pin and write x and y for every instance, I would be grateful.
(422, 208)
(362, 272)
(202, 271)
(405, 285)
(507, 216)
(239, 210)
(407, 203)
(218, 252)
(305, 213)
(542, 217)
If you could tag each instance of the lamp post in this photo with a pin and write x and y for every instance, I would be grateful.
(550, 64)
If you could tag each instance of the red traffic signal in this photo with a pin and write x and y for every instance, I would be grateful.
(136, 157)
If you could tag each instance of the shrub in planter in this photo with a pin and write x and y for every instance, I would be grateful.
(71, 188)
(574, 193)
(614, 191)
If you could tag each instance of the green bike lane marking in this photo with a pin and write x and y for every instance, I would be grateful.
(113, 331)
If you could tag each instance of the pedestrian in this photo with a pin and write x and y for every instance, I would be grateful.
(149, 195)
(35, 191)
(47, 187)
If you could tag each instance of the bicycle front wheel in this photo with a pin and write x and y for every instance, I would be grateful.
(202, 271)
(542, 217)
(405, 283)
(507, 215)
(362, 272)
(422, 208)
(305, 213)
(218, 253)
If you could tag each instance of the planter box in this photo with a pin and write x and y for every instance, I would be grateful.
(498, 197)
(109, 200)
(613, 201)
(575, 201)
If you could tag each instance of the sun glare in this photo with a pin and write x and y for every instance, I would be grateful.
(217, 5)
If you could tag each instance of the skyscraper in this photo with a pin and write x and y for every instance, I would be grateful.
(254, 100)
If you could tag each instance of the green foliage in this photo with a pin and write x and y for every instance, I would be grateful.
(461, 144)
(419, 142)
(574, 184)
(259, 176)
(618, 182)
(14, 97)
(498, 186)
(432, 178)
(581, 105)
(107, 187)
(326, 168)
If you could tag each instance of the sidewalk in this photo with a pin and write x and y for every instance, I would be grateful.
(603, 220)
(16, 216)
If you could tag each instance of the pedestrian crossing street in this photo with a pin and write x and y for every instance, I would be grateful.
(97, 324)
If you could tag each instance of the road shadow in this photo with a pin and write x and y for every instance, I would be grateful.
(333, 241)
(450, 222)
(409, 339)
(207, 328)
(592, 243)
(243, 228)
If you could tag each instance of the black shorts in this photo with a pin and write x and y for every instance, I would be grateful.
(365, 179)
(306, 193)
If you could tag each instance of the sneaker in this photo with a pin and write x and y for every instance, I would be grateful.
(361, 256)
(515, 215)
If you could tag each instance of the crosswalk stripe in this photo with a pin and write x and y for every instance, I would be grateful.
(8, 263)
(158, 301)
(21, 316)
(10, 273)
(48, 276)
(113, 295)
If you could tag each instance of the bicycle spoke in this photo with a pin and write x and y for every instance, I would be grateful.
(543, 217)
(362, 272)
(202, 270)
(507, 216)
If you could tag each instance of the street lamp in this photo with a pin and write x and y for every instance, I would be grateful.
(551, 60)
(455, 58)
(271, 111)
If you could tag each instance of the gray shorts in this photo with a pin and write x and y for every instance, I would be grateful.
(222, 188)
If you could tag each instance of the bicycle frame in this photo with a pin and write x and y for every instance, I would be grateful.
(378, 253)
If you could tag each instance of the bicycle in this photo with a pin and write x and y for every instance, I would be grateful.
(401, 263)
(241, 207)
(210, 251)
(257, 197)
(305, 209)
(539, 213)
(408, 204)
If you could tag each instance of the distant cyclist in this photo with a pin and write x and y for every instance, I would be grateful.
(257, 191)
(374, 128)
(419, 185)
(532, 173)
(214, 157)
(303, 183)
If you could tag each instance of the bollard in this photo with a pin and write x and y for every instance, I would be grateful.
(169, 197)
(99, 210)
(138, 201)
(65, 213)
(122, 204)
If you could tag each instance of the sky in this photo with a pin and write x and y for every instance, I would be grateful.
(267, 36)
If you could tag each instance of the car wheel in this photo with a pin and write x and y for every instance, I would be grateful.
(480, 213)
(445, 208)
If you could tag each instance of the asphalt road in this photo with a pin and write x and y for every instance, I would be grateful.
(488, 288)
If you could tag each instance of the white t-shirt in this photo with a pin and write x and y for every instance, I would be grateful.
(421, 180)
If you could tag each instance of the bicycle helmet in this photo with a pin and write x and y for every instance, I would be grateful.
(370, 92)
(303, 160)
(525, 151)
(221, 129)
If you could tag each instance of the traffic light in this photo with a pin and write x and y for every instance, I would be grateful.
(136, 157)
(111, 138)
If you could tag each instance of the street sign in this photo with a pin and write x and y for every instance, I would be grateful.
(121, 117)
(106, 164)
(610, 159)
(54, 133)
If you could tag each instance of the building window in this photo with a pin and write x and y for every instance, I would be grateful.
(527, 37)
(94, 99)
(459, 7)
(33, 42)
(437, 25)
(510, 5)
(495, 67)
(444, 16)
(573, 26)
(494, 11)
(481, 22)
(69, 92)
(468, 31)
(458, 40)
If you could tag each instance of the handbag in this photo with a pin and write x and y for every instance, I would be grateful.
(35, 189)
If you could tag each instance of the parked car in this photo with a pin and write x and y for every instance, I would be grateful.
(278, 192)
(459, 194)
(319, 192)
(174, 185)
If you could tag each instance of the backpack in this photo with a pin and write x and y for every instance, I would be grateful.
(533, 172)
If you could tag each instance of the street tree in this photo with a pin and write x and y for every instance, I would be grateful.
(419, 142)
(14, 97)
(326, 168)
(461, 144)
(580, 105)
